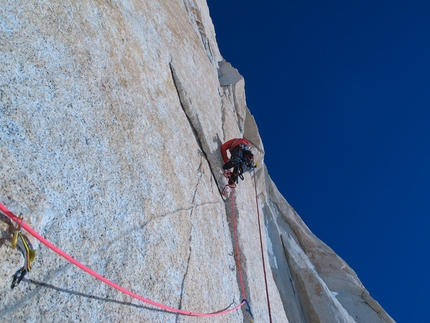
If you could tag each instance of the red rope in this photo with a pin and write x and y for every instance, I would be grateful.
(236, 240)
(25, 226)
(262, 250)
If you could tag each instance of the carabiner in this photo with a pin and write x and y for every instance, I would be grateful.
(17, 228)
(29, 255)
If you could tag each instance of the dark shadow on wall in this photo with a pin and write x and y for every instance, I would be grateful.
(103, 299)
(98, 298)
(281, 272)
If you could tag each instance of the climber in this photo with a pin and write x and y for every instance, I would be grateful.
(241, 159)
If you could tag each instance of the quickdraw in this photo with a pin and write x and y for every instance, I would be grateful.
(249, 310)
(27, 251)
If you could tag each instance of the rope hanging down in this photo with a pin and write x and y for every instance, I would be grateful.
(262, 250)
(239, 269)
(26, 227)
(236, 241)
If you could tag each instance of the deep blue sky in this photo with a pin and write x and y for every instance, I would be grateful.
(341, 93)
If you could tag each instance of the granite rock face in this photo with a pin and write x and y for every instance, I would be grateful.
(111, 118)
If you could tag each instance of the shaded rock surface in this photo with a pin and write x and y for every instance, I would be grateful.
(111, 118)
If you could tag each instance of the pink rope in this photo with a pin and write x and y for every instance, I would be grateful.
(25, 226)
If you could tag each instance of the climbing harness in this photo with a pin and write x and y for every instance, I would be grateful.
(227, 174)
(31, 231)
(29, 254)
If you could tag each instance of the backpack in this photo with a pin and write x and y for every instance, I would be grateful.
(244, 162)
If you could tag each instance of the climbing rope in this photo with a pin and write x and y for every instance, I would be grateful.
(26, 227)
(262, 249)
(237, 253)
(236, 241)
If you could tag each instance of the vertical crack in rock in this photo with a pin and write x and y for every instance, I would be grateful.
(223, 113)
(304, 304)
(277, 231)
(243, 260)
(294, 313)
(315, 297)
(190, 239)
(183, 100)
(238, 108)
(187, 267)
(197, 21)
(229, 77)
(229, 93)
